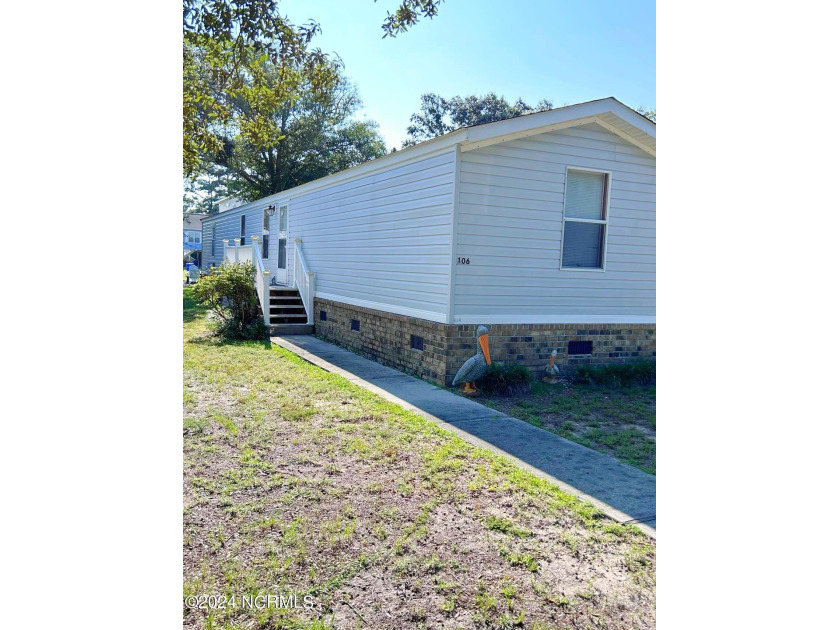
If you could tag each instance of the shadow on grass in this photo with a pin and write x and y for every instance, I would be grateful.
(265, 344)
(209, 339)
(192, 309)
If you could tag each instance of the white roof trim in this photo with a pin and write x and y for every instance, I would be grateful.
(477, 144)
(480, 136)
(563, 118)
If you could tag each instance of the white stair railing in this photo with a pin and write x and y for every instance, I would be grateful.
(261, 281)
(304, 282)
(242, 253)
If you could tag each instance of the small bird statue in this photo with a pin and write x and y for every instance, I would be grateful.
(552, 372)
(474, 367)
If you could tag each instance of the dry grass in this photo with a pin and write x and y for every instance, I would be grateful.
(296, 481)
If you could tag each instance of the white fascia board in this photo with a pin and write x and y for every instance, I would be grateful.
(559, 319)
(633, 118)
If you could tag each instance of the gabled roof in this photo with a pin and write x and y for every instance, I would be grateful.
(609, 113)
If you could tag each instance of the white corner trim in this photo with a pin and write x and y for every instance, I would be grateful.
(439, 318)
(559, 319)
(453, 235)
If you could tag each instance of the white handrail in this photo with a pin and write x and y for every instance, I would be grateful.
(261, 280)
(304, 282)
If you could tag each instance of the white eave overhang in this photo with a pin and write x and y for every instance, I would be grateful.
(608, 113)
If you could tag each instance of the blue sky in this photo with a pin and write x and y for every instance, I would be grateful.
(566, 51)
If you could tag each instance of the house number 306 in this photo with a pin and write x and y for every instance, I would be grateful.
(463, 261)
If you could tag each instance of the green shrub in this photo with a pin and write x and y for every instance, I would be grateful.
(620, 375)
(505, 380)
(229, 292)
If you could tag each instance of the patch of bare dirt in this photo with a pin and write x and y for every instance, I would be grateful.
(384, 531)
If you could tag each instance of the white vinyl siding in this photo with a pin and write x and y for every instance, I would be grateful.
(510, 225)
(381, 237)
(228, 226)
(383, 240)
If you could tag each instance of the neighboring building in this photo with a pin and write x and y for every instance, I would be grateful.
(192, 236)
(229, 203)
(542, 227)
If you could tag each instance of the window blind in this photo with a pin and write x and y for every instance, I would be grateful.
(585, 195)
(582, 244)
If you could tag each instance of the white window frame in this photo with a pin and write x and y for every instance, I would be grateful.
(605, 222)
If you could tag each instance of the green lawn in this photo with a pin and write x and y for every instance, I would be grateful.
(619, 422)
(298, 482)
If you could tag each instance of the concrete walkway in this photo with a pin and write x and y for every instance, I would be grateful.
(623, 492)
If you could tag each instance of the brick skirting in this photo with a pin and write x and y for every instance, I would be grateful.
(531, 344)
(386, 337)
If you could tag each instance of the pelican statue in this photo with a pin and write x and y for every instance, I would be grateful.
(552, 372)
(474, 367)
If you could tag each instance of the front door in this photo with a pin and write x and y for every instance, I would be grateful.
(281, 251)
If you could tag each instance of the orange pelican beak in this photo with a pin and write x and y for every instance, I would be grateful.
(485, 348)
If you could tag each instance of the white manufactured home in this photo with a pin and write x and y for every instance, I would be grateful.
(541, 227)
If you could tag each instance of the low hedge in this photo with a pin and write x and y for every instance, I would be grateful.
(619, 375)
(229, 291)
(505, 380)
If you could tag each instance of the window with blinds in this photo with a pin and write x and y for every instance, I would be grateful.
(584, 220)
